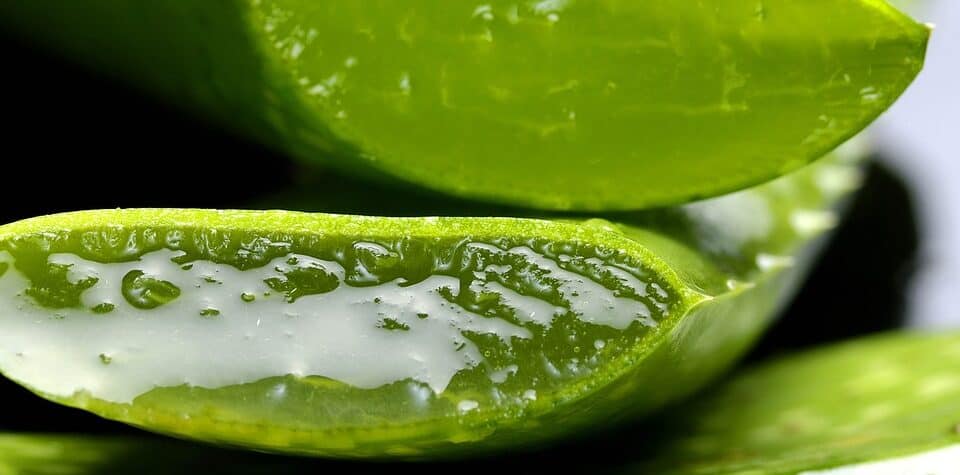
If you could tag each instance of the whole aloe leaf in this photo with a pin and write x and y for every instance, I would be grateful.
(418, 337)
(560, 104)
(887, 404)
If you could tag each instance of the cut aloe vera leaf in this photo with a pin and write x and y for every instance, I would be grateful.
(559, 104)
(373, 336)
(887, 404)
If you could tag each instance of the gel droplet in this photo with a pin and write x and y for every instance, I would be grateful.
(209, 312)
(103, 308)
(145, 292)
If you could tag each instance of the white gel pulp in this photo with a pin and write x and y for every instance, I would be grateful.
(340, 334)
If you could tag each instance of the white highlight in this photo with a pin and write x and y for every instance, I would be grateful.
(936, 462)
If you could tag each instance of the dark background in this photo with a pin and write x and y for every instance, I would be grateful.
(69, 132)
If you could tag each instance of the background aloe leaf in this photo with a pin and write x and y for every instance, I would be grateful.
(555, 104)
(867, 400)
(677, 295)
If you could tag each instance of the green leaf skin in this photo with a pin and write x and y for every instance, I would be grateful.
(61, 454)
(867, 400)
(696, 284)
(553, 104)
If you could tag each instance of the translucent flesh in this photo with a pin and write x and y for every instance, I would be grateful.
(397, 336)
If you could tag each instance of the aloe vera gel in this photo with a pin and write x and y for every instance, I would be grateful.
(358, 336)
(366, 314)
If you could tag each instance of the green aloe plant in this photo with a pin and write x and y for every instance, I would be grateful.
(360, 336)
(419, 329)
(559, 104)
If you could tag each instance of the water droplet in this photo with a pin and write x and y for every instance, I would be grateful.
(248, 297)
(146, 292)
(209, 312)
(467, 405)
(103, 308)
(405, 84)
(483, 11)
(105, 358)
(393, 325)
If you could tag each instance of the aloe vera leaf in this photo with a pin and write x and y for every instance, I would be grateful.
(363, 336)
(559, 104)
(893, 400)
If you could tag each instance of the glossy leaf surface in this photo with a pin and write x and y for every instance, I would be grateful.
(560, 104)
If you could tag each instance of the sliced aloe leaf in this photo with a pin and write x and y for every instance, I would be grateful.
(560, 104)
(881, 405)
(375, 336)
